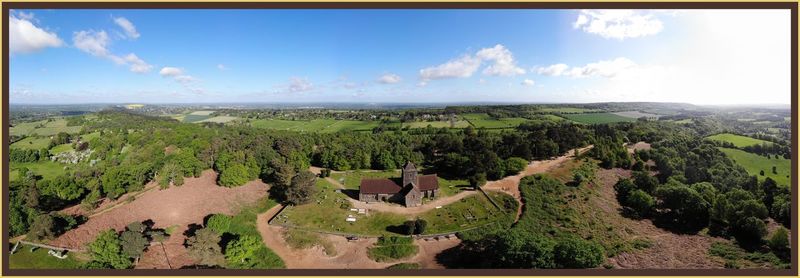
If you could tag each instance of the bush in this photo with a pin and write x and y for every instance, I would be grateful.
(578, 253)
(640, 202)
(515, 165)
(750, 230)
(235, 175)
(219, 223)
(779, 242)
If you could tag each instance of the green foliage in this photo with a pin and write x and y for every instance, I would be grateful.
(219, 223)
(392, 248)
(241, 252)
(683, 206)
(779, 242)
(578, 253)
(204, 247)
(133, 243)
(640, 202)
(234, 175)
(515, 165)
(42, 227)
(301, 189)
(404, 266)
(106, 250)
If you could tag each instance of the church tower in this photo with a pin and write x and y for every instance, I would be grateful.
(409, 174)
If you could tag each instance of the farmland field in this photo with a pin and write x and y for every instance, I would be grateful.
(598, 118)
(32, 143)
(635, 114)
(436, 124)
(195, 118)
(61, 148)
(737, 140)
(754, 164)
(486, 121)
(566, 110)
(44, 128)
(218, 119)
(318, 125)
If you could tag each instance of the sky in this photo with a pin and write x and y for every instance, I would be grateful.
(399, 56)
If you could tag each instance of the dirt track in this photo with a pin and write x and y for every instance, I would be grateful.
(175, 207)
(349, 254)
(510, 184)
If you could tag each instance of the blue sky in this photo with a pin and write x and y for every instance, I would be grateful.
(158, 56)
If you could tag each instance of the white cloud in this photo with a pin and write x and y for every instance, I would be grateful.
(528, 82)
(297, 85)
(618, 24)
(137, 65)
(221, 67)
(185, 79)
(170, 71)
(389, 78)
(128, 27)
(607, 69)
(457, 68)
(502, 59)
(25, 37)
(92, 42)
(504, 64)
(97, 43)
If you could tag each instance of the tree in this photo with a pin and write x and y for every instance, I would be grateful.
(106, 249)
(515, 165)
(624, 188)
(302, 189)
(171, 173)
(219, 223)
(779, 242)
(420, 226)
(409, 227)
(683, 205)
(520, 249)
(574, 252)
(761, 173)
(645, 181)
(774, 170)
(43, 227)
(477, 180)
(204, 247)
(235, 175)
(640, 202)
(750, 230)
(240, 253)
(133, 244)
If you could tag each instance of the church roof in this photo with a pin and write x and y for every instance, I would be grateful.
(428, 182)
(409, 166)
(379, 186)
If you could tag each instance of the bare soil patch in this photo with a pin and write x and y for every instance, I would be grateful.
(176, 206)
(668, 250)
(638, 147)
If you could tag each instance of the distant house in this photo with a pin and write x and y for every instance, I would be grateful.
(410, 193)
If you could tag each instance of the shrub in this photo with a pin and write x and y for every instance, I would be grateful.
(640, 202)
(515, 165)
(779, 241)
(578, 253)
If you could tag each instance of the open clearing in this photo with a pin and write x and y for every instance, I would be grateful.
(486, 121)
(218, 119)
(567, 110)
(737, 140)
(754, 164)
(44, 128)
(46, 169)
(598, 118)
(177, 206)
(349, 254)
(635, 114)
(39, 259)
(32, 143)
(437, 124)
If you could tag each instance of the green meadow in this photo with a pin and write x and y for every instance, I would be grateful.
(754, 164)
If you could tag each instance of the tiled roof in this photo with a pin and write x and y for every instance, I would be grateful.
(378, 186)
(428, 182)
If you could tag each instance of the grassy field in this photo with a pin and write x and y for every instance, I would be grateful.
(47, 169)
(436, 124)
(472, 211)
(218, 119)
(389, 249)
(61, 148)
(566, 110)
(737, 140)
(195, 118)
(598, 118)
(32, 143)
(754, 163)
(89, 136)
(317, 125)
(635, 114)
(352, 180)
(44, 128)
(39, 259)
(328, 211)
(486, 121)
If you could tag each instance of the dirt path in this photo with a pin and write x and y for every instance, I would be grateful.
(349, 254)
(176, 207)
(510, 184)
